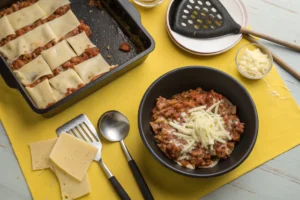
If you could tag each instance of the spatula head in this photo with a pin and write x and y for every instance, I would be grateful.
(201, 19)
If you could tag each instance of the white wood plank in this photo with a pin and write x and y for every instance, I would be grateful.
(12, 182)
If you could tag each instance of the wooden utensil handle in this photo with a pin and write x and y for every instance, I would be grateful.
(278, 60)
(272, 39)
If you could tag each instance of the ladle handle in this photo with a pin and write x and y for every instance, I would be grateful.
(270, 38)
(119, 189)
(140, 180)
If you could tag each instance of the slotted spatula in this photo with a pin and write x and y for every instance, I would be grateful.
(208, 19)
(82, 128)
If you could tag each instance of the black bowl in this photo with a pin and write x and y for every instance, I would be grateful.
(186, 78)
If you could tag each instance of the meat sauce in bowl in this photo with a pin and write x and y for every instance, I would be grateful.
(177, 108)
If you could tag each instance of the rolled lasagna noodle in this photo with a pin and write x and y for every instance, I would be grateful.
(25, 16)
(42, 94)
(64, 24)
(66, 80)
(59, 54)
(6, 28)
(91, 68)
(50, 6)
(80, 43)
(28, 42)
(33, 70)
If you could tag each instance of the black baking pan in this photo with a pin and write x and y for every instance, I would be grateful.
(116, 22)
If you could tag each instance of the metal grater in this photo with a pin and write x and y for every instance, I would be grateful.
(202, 19)
(81, 127)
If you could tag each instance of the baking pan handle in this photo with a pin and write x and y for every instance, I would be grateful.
(7, 76)
(4, 3)
(132, 10)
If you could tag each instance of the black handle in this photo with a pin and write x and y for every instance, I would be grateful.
(132, 10)
(140, 180)
(119, 189)
(7, 75)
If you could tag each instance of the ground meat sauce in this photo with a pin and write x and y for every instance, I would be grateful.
(88, 53)
(58, 13)
(172, 109)
(26, 58)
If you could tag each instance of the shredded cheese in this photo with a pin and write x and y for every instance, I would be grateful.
(254, 63)
(202, 125)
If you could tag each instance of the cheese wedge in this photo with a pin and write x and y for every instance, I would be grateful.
(73, 155)
(70, 187)
(40, 152)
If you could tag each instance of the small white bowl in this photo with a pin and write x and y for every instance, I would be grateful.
(148, 3)
(253, 46)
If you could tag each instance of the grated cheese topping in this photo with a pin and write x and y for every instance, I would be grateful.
(254, 63)
(201, 125)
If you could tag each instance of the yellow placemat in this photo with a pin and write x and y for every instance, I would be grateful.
(278, 132)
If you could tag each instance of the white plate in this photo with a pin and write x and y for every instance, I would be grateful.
(212, 46)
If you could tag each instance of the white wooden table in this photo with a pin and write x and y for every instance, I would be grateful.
(277, 179)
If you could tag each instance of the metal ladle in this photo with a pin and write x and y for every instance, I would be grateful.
(114, 126)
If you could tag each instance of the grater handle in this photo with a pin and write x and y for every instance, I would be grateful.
(132, 10)
(270, 38)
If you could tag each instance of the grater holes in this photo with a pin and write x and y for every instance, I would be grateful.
(190, 21)
(208, 3)
(214, 10)
(205, 9)
(192, 1)
(184, 17)
(211, 16)
(208, 22)
(197, 26)
(200, 3)
(189, 6)
(200, 21)
(186, 11)
(193, 16)
(195, 12)
(218, 23)
(219, 16)
(183, 24)
(213, 27)
(197, 7)
(205, 26)
(203, 14)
